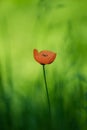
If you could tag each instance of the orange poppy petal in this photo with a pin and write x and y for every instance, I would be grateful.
(51, 59)
(35, 51)
(44, 57)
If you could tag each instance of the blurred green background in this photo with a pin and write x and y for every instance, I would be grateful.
(57, 25)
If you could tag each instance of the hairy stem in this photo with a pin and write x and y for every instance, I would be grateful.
(48, 99)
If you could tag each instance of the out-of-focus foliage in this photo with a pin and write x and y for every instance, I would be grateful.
(60, 26)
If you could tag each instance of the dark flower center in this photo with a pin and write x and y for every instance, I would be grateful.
(45, 55)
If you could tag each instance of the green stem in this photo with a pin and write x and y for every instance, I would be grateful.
(48, 99)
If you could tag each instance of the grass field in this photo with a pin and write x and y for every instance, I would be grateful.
(59, 26)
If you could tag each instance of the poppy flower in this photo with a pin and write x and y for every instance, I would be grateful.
(44, 57)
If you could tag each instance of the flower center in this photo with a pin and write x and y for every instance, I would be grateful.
(45, 55)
